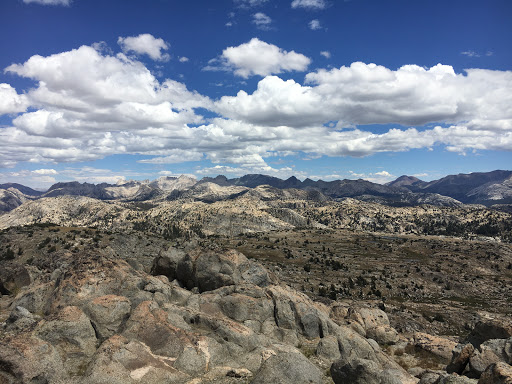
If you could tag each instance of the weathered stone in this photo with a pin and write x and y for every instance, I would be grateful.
(119, 361)
(489, 329)
(460, 358)
(498, 373)
(480, 360)
(13, 276)
(148, 323)
(28, 359)
(108, 313)
(328, 348)
(501, 348)
(360, 371)
(439, 346)
(288, 368)
(71, 332)
(167, 263)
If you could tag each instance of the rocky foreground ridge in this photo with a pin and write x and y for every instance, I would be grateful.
(199, 315)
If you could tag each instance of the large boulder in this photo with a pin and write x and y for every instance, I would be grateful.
(438, 346)
(288, 368)
(108, 313)
(120, 360)
(490, 329)
(211, 270)
(499, 373)
(166, 263)
(28, 359)
(362, 371)
(71, 332)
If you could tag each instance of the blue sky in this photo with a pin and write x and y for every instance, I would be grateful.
(98, 91)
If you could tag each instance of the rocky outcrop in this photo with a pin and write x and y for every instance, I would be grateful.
(89, 318)
(499, 373)
(486, 354)
(372, 323)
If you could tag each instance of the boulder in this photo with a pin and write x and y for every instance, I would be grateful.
(438, 346)
(287, 368)
(489, 329)
(210, 270)
(120, 360)
(71, 332)
(13, 276)
(166, 263)
(361, 371)
(21, 318)
(28, 359)
(460, 358)
(108, 313)
(480, 360)
(149, 324)
(498, 373)
(500, 347)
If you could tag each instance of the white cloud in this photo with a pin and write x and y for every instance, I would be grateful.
(257, 57)
(470, 54)
(372, 94)
(117, 106)
(282, 173)
(174, 156)
(49, 2)
(229, 24)
(145, 44)
(309, 4)
(116, 103)
(10, 101)
(183, 59)
(249, 3)
(261, 20)
(326, 54)
(381, 177)
(315, 25)
(45, 172)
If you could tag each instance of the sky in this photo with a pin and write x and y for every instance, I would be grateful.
(106, 91)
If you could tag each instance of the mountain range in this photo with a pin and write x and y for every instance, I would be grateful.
(487, 188)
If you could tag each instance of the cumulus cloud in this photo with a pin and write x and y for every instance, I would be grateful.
(174, 156)
(309, 4)
(183, 59)
(145, 44)
(49, 2)
(326, 54)
(257, 57)
(116, 103)
(10, 101)
(45, 172)
(315, 25)
(261, 20)
(117, 106)
(371, 94)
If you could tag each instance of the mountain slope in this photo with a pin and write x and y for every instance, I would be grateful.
(474, 188)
